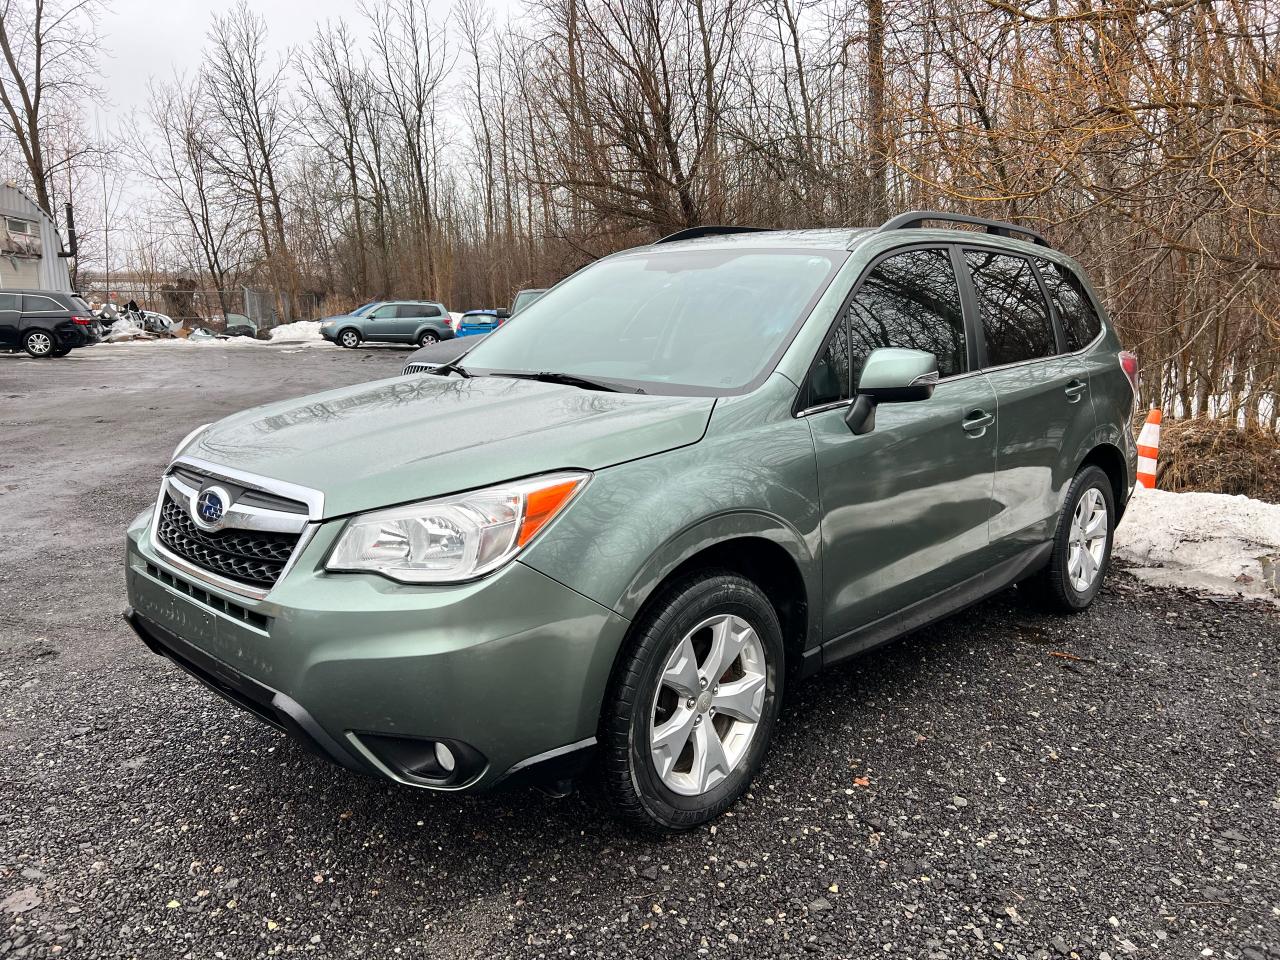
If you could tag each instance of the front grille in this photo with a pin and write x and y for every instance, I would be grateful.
(253, 557)
(420, 368)
(234, 610)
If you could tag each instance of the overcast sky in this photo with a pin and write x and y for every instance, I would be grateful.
(146, 38)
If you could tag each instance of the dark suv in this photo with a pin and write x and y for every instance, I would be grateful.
(46, 323)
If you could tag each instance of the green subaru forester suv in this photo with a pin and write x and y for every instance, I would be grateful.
(614, 533)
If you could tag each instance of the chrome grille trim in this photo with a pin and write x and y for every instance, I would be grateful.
(241, 516)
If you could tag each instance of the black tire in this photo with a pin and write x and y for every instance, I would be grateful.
(635, 789)
(349, 338)
(39, 343)
(1053, 586)
(427, 338)
(60, 351)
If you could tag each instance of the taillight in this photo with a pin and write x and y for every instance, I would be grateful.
(83, 321)
(1129, 364)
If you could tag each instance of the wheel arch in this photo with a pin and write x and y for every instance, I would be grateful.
(1108, 458)
(349, 328)
(435, 326)
(759, 547)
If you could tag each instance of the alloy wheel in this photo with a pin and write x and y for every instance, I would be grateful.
(708, 705)
(1087, 543)
(349, 339)
(428, 339)
(40, 344)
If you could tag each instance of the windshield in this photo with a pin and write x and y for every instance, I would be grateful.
(666, 321)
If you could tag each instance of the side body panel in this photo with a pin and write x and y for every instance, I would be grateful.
(752, 474)
(10, 314)
(905, 506)
(1041, 424)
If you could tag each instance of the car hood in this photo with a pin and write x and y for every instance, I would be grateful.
(393, 441)
(443, 352)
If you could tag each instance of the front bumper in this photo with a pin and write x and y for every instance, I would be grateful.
(512, 667)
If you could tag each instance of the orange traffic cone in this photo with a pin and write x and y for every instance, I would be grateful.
(1149, 449)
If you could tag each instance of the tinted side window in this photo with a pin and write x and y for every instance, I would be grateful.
(1015, 318)
(430, 311)
(32, 304)
(1080, 322)
(409, 310)
(829, 379)
(910, 300)
(8, 301)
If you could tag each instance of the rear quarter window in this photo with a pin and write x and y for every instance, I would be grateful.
(1080, 321)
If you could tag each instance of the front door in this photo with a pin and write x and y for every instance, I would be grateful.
(380, 323)
(905, 507)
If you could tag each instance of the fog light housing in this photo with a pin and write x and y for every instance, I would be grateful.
(419, 760)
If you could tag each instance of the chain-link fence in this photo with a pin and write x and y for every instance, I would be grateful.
(192, 306)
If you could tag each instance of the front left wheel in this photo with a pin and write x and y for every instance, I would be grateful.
(692, 703)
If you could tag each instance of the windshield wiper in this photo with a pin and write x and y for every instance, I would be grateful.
(568, 379)
(453, 366)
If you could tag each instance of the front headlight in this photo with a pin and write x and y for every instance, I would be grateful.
(454, 538)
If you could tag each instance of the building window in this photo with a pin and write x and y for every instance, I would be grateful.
(22, 237)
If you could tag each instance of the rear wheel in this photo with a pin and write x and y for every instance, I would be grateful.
(39, 343)
(427, 338)
(692, 703)
(349, 339)
(1081, 545)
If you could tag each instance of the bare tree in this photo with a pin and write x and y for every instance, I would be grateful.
(45, 81)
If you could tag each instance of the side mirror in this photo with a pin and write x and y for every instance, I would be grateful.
(891, 375)
(503, 313)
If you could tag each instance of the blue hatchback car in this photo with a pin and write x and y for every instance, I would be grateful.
(475, 322)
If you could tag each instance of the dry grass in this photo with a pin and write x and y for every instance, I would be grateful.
(1218, 457)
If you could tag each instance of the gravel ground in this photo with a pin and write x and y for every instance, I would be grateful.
(1003, 784)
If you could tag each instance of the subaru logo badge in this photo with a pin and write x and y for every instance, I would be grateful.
(210, 508)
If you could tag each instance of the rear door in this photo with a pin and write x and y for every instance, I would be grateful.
(1044, 414)
(10, 312)
(409, 318)
(905, 507)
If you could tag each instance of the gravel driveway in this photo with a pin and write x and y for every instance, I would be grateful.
(1004, 784)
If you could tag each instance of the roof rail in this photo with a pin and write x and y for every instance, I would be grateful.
(916, 218)
(710, 230)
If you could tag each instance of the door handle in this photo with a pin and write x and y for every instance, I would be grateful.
(1075, 390)
(976, 423)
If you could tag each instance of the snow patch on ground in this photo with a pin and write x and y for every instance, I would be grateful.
(1206, 541)
(300, 331)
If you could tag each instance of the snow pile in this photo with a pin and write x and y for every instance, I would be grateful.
(302, 330)
(1206, 541)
